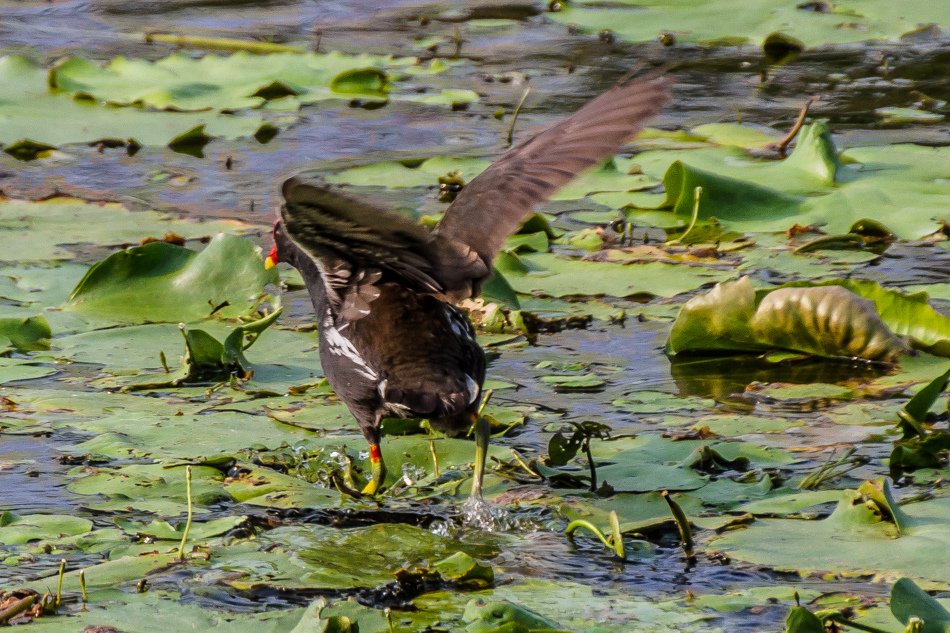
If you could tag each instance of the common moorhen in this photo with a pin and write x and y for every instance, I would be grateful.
(384, 289)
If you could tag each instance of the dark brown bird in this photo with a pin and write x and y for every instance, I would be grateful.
(392, 342)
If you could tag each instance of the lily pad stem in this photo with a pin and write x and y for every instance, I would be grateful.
(782, 146)
(435, 458)
(831, 470)
(485, 399)
(219, 43)
(82, 587)
(617, 538)
(521, 462)
(514, 116)
(16, 609)
(184, 536)
(697, 194)
(682, 524)
(59, 585)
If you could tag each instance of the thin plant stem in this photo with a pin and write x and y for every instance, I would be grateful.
(782, 146)
(59, 585)
(82, 587)
(682, 523)
(435, 458)
(514, 116)
(184, 536)
(697, 194)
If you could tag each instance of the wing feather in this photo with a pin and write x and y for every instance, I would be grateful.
(495, 203)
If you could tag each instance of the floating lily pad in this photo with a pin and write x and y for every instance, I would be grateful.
(547, 274)
(756, 22)
(16, 529)
(854, 539)
(238, 81)
(813, 319)
(164, 282)
(898, 185)
(24, 335)
(36, 231)
(29, 106)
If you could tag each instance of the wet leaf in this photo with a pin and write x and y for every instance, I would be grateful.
(24, 335)
(910, 601)
(550, 275)
(233, 82)
(496, 616)
(853, 539)
(164, 282)
(17, 529)
(801, 620)
(39, 230)
(755, 22)
(826, 320)
(29, 106)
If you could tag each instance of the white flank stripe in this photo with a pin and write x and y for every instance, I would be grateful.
(341, 346)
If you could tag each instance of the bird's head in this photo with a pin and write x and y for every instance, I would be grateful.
(274, 255)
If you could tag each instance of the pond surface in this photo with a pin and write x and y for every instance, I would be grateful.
(273, 537)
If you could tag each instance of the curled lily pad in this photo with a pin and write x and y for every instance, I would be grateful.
(23, 335)
(827, 321)
(163, 282)
(206, 358)
(822, 320)
(910, 601)
(490, 616)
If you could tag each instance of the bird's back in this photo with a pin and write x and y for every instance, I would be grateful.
(412, 354)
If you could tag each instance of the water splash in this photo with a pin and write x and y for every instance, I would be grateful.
(480, 514)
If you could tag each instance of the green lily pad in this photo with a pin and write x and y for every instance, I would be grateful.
(756, 22)
(17, 529)
(854, 539)
(547, 274)
(36, 231)
(164, 282)
(24, 335)
(898, 185)
(109, 609)
(809, 318)
(893, 115)
(234, 82)
(754, 597)
(14, 369)
(152, 482)
(28, 106)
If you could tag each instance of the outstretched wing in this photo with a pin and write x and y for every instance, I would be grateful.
(356, 243)
(495, 203)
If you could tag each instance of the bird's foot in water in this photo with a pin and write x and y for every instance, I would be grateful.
(374, 485)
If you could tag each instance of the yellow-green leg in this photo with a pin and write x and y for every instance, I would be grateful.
(482, 435)
(378, 471)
